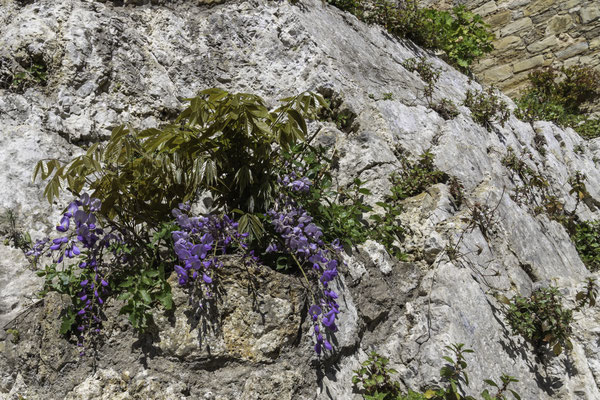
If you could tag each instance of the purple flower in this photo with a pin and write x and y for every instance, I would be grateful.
(64, 224)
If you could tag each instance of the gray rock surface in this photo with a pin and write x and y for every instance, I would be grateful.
(110, 64)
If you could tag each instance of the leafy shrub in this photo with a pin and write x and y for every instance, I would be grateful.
(587, 241)
(446, 108)
(541, 319)
(413, 178)
(487, 107)
(559, 95)
(220, 143)
(125, 243)
(374, 377)
(17, 78)
(462, 35)
(587, 297)
(426, 71)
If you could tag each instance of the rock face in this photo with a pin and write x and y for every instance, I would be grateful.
(109, 64)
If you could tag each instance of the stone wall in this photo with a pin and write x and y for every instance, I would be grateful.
(532, 34)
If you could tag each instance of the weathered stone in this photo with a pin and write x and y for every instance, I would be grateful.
(589, 14)
(559, 24)
(572, 50)
(517, 26)
(486, 8)
(498, 74)
(538, 6)
(569, 4)
(595, 43)
(507, 42)
(528, 64)
(498, 19)
(542, 45)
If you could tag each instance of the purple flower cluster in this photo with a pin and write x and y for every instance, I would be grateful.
(294, 183)
(199, 243)
(81, 237)
(301, 238)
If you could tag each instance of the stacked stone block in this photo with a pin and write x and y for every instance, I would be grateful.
(532, 34)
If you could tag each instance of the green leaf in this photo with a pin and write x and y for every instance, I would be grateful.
(145, 296)
(67, 322)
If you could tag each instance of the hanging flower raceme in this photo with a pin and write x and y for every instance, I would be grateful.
(199, 243)
(81, 238)
(301, 238)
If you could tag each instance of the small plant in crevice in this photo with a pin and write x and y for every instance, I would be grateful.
(445, 108)
(541, 319)
(374, 380)
(487, 107)
(532, 187)
(17, 77)
(539, 143)
(456, 191)
(428, 73)
(14, 236)
(586, 237)
(333, 111)
(561, 95)
(587, 297)
(413, 178)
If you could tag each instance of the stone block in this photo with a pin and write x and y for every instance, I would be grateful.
(572, 61)
(542, 45)
(516, 26)
(499, 19)
(572, 50)
(569, 4)
(559, 24)
(517, 4)
(486, 8)
(530, 63)
(588, 14)
(498, 74)
(507, 42)
(595, 43)
(539, 6)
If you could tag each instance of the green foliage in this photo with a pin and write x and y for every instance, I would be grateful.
(487, 107)
(446, 108)
(426, 71)
(222, 143)
(374, 377)
(587, 297)
(14, 236)
(530, 185)
(35, 75)
(587, 241)
(339, 212)
(16, 335)
(415, 177)
(462, 35)
(541, 319)
(560, 95)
